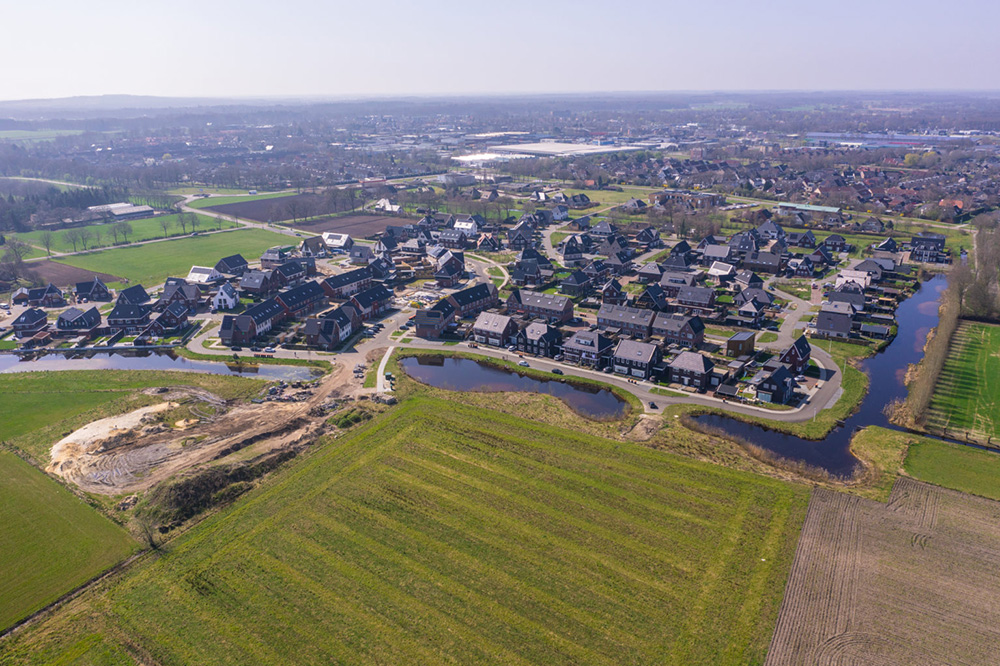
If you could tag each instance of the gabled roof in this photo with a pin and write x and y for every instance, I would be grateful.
(491, 321)
(32, 316)
(474, 294)
(350, 277)
(633, 350)
(304, 293)
(692, 362)
(370, 297)
(255, 279)
(265, 311)
(230, 263)
(134, 294)
(801, 346)
(577, 278)
(128, 311)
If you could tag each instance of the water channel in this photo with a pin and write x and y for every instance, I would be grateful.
(915, 318)
(148, 360)
(459, 374)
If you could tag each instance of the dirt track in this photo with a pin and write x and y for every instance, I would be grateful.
(137, 455)
(914, 581)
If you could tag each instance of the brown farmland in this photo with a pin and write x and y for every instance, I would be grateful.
(62, 275)
(275, 209)
(914, 581)
(358, 226)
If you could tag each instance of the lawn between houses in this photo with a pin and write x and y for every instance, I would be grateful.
(153, 263)
(443, 532)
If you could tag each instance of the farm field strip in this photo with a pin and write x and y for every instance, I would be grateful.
(443, 532)
(967, 394)
(151, 264)
(210, 202)
(50, 543)
(142, 230)
(911, 581)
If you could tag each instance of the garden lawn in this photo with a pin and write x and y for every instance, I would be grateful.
(51, 541)
(445, 533)
(153, 263)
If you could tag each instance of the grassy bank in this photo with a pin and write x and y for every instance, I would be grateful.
(955, 466)
(319, 364)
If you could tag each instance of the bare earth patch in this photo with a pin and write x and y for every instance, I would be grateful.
(914, 581)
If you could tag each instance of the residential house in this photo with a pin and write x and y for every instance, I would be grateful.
(204, 275)
(713, 253)
(225, 298)
(134, 295)
(577, 284)
(651, 272)
(78, 322)
(533, 304)
(475, 299)
(765, 262)
(797, 356)
(289, 274)
(178, 290)
(314, 246)
(929, 247)
(801, 239)
(489, 243)
(630, 321)
(648, 238)
(273, 257)
(129, 318)
(571, 251)
(520, 238)
(836, 243)
(613, 293)
(453, 239)
(234, 265)
(494, 329)
(244, 328)
(361, 255)
(673, 281)
(654, 297)
(756, 294)
(589, 349)
(603, 230)
(679, 330)
(691, 369)
(771, 230)
(750, 313)
(636, 359)
(372, 302)
(800, 267)
(835, 320)
(746, 279)
(702, 298)
(258, 284)
(741, 344)
(337, 243)
(332, 328)
(887, 245)
(723, 273)
(169, 322)
(431, 322)
(48, 296)
(30, 322)
(92, 290)
(302, 300)
(345, 285)
(540, 339)
(776, 386)
(848, 292)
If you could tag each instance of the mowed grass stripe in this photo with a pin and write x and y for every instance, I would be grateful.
(965, 397)
(466, 603)
(611, 554)
(492, 575)
(547, 498)
(365, 576)
(645, 466)
(588, 584)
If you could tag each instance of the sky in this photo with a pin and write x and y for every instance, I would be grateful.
(309, 48)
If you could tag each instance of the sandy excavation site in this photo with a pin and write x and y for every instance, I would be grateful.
(134, 451)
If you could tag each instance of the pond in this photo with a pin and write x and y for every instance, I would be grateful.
(459, 374)
(148, 360)
(915, 317)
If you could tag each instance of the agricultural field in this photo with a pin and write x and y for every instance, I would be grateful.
(358, 226)
(963, 468)
(211, 202)
(37, 135)
(152, 263)
(268, 208)
(51, 541)
(967, 395)
(607, 198)
(142, 230)
(913, 581)
(62, 275)
(446, 533)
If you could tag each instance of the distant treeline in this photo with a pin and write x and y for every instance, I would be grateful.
(20, 200)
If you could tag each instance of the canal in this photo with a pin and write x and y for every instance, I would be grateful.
(915, 317)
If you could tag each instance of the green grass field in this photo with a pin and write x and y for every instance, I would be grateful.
(50, 543)
(967, 394)
(39, 408)
(205, 189)
(142, 230)
(954, 466)
(222, 201)
(151, 264)
(37, 135)
(443, 533)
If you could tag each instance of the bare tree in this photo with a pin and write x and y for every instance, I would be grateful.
(124, 228)
(72, 236)
(183, 220)
(47, 242)
(194, 222)
(85, 236)
(16, 250)
(114, 233)
(165, 224)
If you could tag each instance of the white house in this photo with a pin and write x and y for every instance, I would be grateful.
(226, 298)
(468, 227)
(204, 275)
(338, 242)
(560, 213)
(387, 206)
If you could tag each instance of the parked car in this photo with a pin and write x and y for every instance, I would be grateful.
(652, 405)
(512, 348)
(235, 348)
(255, 349)
(269, 350)
(523, 363)
(557, 371)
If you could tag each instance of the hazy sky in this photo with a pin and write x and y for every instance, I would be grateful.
(57, 48)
